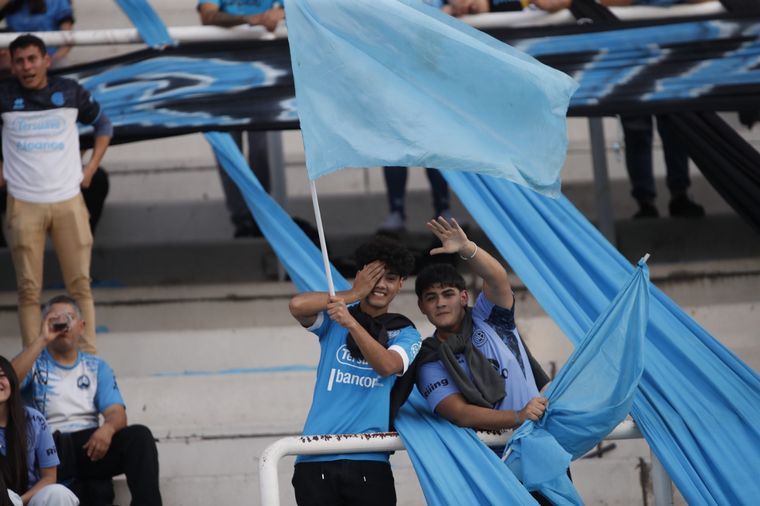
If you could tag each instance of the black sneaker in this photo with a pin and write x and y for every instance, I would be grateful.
(683, 207)
(646, 210)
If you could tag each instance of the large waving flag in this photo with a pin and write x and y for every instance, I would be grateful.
(396, 82)
(593, 392)
(453, 466)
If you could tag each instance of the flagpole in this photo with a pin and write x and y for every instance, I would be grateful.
(322, 242)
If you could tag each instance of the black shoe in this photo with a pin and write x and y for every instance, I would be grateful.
(683, 207)
(646, 210)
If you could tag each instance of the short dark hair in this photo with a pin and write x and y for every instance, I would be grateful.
(444, 275)
(61, 299)
(393, 254)
(27, 40)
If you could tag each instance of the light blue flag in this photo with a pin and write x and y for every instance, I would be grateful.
(697, 404)
(397, 82)
(453, 466)
(592, 393)
(146, 20)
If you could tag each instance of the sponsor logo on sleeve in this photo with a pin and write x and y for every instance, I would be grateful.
(431, 387)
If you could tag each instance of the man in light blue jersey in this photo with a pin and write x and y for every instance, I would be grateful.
(73, 389)
(363, 349)
(475, 371)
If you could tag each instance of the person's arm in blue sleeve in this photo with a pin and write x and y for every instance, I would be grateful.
(44, 451)
(65, 20)
(103, 134)
(90, 113)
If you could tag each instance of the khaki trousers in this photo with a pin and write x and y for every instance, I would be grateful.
(68, 224)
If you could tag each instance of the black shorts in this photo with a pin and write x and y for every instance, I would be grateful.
(344, 483)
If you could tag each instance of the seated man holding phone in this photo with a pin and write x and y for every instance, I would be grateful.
(71, 389)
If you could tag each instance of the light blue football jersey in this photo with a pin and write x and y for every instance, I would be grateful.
(495, 335)
(349, 396)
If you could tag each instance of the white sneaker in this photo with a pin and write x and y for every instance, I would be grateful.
(394, 222)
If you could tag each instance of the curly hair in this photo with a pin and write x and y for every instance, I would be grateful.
(393, 254)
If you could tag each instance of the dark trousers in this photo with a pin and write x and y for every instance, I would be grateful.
(344, 483)
(95, 196)
(637, 131)
(258, 159)
(133, 452)
(395, 182)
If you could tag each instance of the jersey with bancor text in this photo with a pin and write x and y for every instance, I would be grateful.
(240, 7)
(41, 159)
(40, 448)
(71, 397)
(349, 396)
(495, 335)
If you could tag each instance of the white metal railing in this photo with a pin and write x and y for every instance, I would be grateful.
(269, 485)
(526, 17)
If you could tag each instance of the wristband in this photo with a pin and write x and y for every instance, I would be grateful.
(471, 256)
(517, 417)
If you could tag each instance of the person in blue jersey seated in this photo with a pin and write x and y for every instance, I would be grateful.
(72, 389)
(363, 350)
(475, 371)
(28, 466)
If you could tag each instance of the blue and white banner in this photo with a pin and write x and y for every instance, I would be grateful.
(688, 66)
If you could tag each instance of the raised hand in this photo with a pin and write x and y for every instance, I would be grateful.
(367, 278)
(452, 237)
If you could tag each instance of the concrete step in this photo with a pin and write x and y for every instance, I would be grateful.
(146, 331)
(225, 471)
(261, 403)
(239, 484)
(248, 260)
(197, 459)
